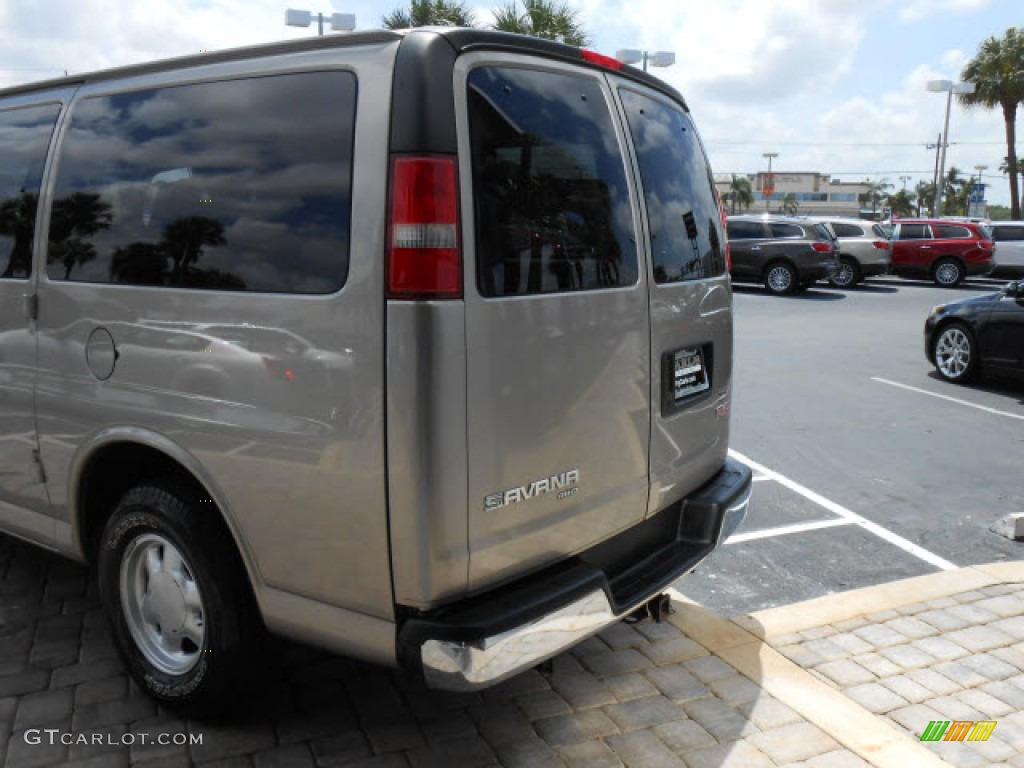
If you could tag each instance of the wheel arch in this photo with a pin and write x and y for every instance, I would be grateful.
(118, 459)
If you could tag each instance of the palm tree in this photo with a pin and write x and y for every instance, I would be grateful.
(902, 204)
(925, 196)
(740, 192)
(430, 13)
(541, 18)
(956, 189)
(875, 193)
(789, 204)
(998, 76)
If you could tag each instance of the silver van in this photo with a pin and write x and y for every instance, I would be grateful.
(413, 346)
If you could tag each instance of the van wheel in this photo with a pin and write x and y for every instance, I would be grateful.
(948, 273)
(780, 277)
(179, 610)
(847, 276)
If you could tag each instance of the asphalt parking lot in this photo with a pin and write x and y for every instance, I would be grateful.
(868, 467)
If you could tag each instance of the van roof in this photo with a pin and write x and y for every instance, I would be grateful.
(462, 40)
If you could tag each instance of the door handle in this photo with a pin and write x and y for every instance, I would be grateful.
(756, 248)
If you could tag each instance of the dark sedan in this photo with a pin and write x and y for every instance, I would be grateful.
(979, 335)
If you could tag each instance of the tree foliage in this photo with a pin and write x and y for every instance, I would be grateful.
(997, 72)
(740, 193)
(549, 19)
(430, 13)
(541, 18)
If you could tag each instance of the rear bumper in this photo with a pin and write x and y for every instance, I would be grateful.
(493, 636)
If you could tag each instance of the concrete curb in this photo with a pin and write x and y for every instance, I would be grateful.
(741, 643)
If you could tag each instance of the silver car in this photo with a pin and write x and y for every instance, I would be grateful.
(864, 249)
(439, 376)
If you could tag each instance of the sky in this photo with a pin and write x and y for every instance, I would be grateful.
(833, 86)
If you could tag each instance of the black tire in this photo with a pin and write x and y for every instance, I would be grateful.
(186, 629)
(948, 273)
(848, 275)
(955, 353)
(780, 278)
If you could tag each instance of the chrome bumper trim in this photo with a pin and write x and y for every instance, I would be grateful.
(463, 667)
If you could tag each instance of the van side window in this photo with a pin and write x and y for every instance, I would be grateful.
(240, 185)
(24, 135)
(686, 232)
(552, 203)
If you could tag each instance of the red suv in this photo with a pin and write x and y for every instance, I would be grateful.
(944, 251)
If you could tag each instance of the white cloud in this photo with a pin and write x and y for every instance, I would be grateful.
(914, 10)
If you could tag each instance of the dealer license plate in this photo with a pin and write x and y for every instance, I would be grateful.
(689, 375)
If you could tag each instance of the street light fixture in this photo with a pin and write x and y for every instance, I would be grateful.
(949, 87)
(656, 59)
(905, 179)
(768, 188)
(340, 22)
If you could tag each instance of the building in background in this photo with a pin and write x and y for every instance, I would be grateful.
(814, 193)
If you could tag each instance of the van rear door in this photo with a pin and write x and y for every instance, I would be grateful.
(557, 322)
(690, 296)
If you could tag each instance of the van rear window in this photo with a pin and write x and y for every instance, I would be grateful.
(240, 185)
(552, 203)
(687, 241)
(24, 136)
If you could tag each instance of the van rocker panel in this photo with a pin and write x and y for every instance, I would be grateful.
(482, 640)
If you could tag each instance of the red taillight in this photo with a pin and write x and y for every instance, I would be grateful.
(881, 245)
(601, 60)
(822, 247)
(424, 258)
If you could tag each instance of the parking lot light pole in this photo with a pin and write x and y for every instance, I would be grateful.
(948, 87)
(340, 22)
(656, 59)
(768, 179)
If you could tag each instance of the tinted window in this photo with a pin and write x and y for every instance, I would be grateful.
(236, 185)
(682, 208)
(24, 136)
(846, 230)
(914, 232)
(1004, 233)
(744, 230)
(552, 205)
(952, 231)
(879, 231)
(785, 230)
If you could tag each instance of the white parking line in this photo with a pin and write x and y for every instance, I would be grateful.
(846, 514)
(782, 530)
(947, 397)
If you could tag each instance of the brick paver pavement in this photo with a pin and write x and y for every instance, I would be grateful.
(690, 692)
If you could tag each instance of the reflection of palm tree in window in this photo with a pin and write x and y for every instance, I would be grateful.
(183, 240)
(17, 221)
(172, 261)
(75, 218)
